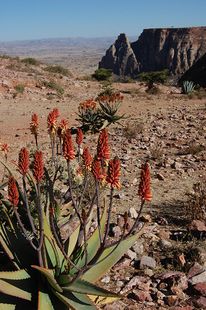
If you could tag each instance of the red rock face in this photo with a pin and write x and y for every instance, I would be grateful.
(175, 49)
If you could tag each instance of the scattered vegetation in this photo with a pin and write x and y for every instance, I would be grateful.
(54, 86)
(48, 268)
(30, 61)
(102, 74)
(57, 69)
(19, 88)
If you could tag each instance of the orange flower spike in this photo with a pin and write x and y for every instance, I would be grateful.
(113, 174)
(79, 136)
(103, 151)
(51, 121)
(34, 125)
(13, 193)
(144, 187)
(38, 166)
(68, 150)
(5, 148)
(63, 125)
(23, 163)
(97, 170)
(87, 158)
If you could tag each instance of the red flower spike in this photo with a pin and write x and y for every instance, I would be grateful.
(144, 187)
(38, 166)
(87, 158)
(23, 163)
(97, 170)
(103, 151)
(56, 112)
(79, 136)
(113, 174)
(68, 150)
(13, 193)
(34, 125)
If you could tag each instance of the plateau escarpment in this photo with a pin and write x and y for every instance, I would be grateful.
(175, 49)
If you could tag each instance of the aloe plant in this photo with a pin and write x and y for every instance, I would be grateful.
(45, 270)
(188, 87)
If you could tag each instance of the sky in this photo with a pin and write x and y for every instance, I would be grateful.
(37, 19)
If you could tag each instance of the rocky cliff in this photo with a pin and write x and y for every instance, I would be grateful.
(197, 73)
(175, 49)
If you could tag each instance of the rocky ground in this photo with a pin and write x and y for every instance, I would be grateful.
(166, 268)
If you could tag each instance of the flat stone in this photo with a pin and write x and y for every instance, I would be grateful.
(197, 225)
(201, 302)
(138, 247)
(201, 288)
(141, 296)
(147, 262)
(133, 213)
(131, 254)
(195, 270)
(199, 278)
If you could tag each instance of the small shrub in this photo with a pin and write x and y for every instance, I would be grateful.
(154, 77)
(102, 74)
(131, 130)
(30, 61)
(55, 86)
(156, 152)
(57, 69)
(19, 88)
(196, 205)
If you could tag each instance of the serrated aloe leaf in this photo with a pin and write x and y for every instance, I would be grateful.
(108, 258)
(12, 290)
(44, 301)
(7, 307)
(14, 275)
(49, 274)
(84, 287)
(93, 243)
(76, 301)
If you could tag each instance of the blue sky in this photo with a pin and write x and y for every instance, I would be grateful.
(36, 19)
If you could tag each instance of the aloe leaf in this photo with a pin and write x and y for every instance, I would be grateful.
(101, 300)
(7, 307)
(14, 275)
(72, 241)
(76, 301)
(50, 249)
(12, 290)
(108, 258)
(44, 301)
(84, 287)
(5, 245)
(93, 243)
(49, 274)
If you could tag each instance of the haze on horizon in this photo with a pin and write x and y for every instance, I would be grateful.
(39, 19)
